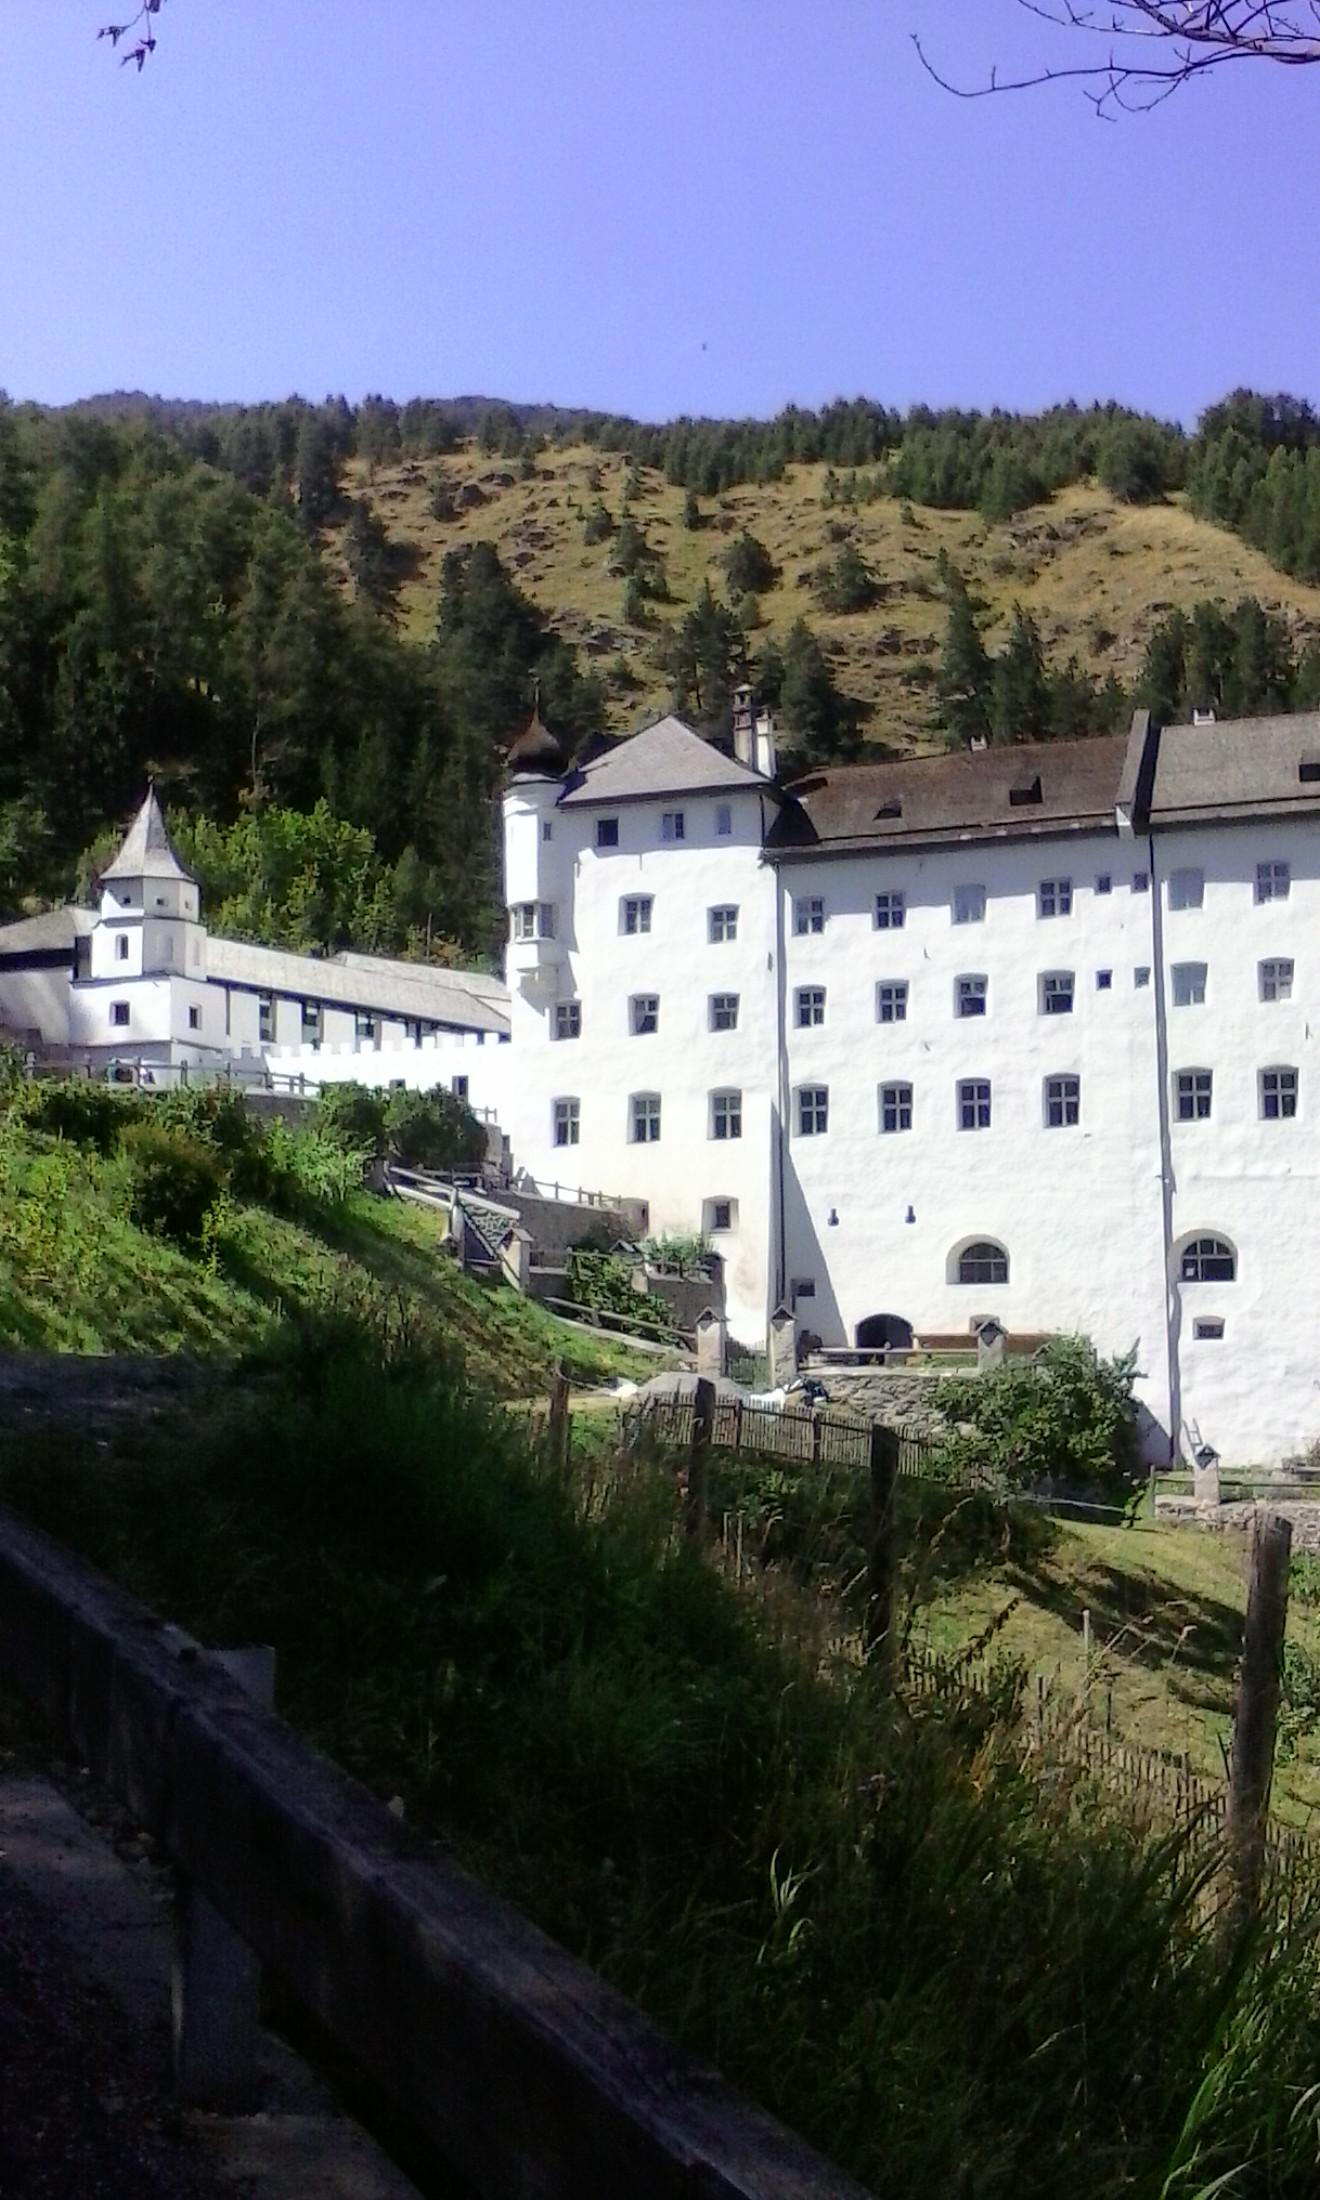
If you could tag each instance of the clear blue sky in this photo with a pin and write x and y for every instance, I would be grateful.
(684, 205)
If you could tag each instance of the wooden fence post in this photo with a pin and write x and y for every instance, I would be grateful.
(1251, 1766)
(557, 1423)
(215, 1986)
(697, 1502)
(882, 1561)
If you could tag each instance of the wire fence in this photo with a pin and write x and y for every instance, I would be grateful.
(774, 1432)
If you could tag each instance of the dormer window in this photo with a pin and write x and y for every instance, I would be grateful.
(892, 808)
(1309, 769)
(1027, 791)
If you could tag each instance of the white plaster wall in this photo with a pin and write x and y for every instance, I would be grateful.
(602, 968)
(1077, 1209)
(36, 1000)
(1255, 1394)
(488, 1066)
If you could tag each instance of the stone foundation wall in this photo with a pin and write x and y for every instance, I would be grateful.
(899, 1397)
(1236, 1517)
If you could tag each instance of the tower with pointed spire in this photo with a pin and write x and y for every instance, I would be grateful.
(150, 917)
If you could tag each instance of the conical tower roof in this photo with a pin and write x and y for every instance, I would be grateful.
(148, 851)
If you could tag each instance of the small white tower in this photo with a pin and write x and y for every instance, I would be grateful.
(150, 919)
(533, 865)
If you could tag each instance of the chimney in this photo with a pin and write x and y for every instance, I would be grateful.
(763, 745)
(744, 727)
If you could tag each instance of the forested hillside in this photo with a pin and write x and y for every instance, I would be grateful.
(317, 625)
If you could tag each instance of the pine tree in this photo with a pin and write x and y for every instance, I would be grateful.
(317, 474)
(1020, 688)
(1163, 678)
(963, 681)
(815, 713)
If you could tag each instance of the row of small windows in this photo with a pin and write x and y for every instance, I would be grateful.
(644, 1117)
(1056, 996)
(673, 826)
(1061, 1102)
(985, 1261)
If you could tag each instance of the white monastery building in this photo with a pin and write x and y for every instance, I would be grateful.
(1028, 1032)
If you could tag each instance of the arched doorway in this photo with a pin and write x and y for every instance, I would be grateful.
(880, 1330)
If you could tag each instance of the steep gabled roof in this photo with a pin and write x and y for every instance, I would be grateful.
(983, 794)
(148, 851)
(666, 757)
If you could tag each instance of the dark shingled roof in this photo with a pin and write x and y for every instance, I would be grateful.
(983, 794)
(1237, 767)
(147, 850)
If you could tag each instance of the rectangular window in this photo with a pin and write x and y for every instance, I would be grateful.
(194, 1019)
(801, 1287)
(719, 1214)
(644, 1014)
(808, 914)
(1054, 897)
(968, 904)
(1104, 883)
(890, 910)
(724, 1012)
(265, 1019)
(1186, 889)
(365, 1025)
(311, 1023)
(1141, 882)
(723, 820)
(547, 829)
(970, 995)
(896, 1107)
(1278, 1093)
(723, 923)
(810, 1006)
(891, 999)
(672, 826)
(119, 1014)
(459, 1088)
(522, 918)
(1141, 975)
(568, 1019)
(1272, 882)
(121, 947)
(1276, 979)
(645, 1116)
(1188, 985)
(1191, 1094)
(1208, 1327)
(1056, 993)
(726, 1115)
(607, 832)
(545, 917)
(974, 1104)
(1063, 1102)
(567, 1122)
(635, 913)
(1104, 980)
(813, 1110)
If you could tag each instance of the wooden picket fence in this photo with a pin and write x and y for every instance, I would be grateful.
(1059, 1726)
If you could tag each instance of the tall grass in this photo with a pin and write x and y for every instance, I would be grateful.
(955, 1977)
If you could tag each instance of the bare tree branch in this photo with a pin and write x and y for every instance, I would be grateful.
(1155, 46)
(145, 42)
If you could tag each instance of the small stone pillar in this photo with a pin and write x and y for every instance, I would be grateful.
(712, 1344)
(781, 1348)
(516, 1258)
(1205, 1475)
(990, 1338)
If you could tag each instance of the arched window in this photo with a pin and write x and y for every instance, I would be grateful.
(1207, 1260)
(983, 1262)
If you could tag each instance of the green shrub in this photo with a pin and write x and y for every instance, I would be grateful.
(175, 1181)
(221, 1120)
(81, 1111)
(434, 1130)
(1065, 1417)
(309, 1169)
(351, 1116)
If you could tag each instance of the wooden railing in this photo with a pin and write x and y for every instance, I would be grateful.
(523, 2072)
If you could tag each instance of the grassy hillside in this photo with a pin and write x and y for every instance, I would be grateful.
(77, 1274)
(1166, 1608)
(1096, 574)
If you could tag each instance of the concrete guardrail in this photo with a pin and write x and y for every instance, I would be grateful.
(526, 2073)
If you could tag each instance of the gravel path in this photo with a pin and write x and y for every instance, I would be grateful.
(84, 2113)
